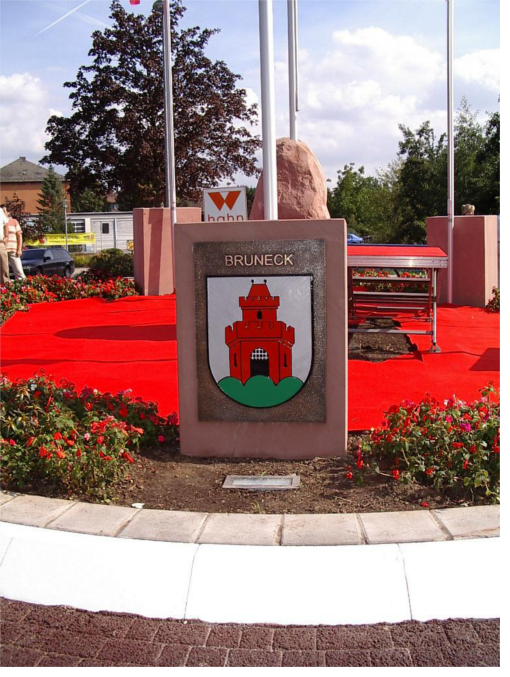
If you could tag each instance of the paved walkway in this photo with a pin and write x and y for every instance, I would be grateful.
(59, 636)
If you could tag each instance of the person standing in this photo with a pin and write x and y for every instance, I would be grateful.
(14, 246)
(4, 261)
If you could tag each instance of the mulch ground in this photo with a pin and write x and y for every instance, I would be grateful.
(33, 635)
(165, 480)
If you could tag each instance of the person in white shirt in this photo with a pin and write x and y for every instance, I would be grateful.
(14, 246)
(4, 261)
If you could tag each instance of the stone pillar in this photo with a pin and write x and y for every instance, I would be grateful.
(475, 257)
(153, 247)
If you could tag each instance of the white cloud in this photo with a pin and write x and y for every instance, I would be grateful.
(354, 94)
(480, 69)
(24, 112)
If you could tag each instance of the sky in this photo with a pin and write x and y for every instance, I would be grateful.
(365, 66)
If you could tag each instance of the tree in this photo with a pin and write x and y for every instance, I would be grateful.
(51, 203)
(421, 190)
(364, 201)
(487, 189)
(115, 134)
(89, 200)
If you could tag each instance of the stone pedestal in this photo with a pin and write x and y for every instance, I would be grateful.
(153, 247)
(475, 257)
(269, 259)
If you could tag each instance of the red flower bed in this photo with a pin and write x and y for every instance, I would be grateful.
(63, 442)
(453, 445)
(19, 294)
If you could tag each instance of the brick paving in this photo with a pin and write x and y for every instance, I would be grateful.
(33, 635)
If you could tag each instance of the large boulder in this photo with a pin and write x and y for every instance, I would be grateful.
(302, 192)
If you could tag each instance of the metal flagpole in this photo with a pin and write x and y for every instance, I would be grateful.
(451, 148)
(292, 21)
(268, 109)
(171, 194)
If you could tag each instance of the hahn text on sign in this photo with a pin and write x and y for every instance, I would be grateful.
(225, 204)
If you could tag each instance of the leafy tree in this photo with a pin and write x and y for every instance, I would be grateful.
(115, 135)
(422, 185)
(89, 200)
(51, 203)
(490, 159)
(364, 201)
(31, 227)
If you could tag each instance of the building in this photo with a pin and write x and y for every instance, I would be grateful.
(23, 179)
(112, 229)
(260, 344)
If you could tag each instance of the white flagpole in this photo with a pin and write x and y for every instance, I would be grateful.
(268, 109)
(292, 22)
(171, 200)
(451, 148)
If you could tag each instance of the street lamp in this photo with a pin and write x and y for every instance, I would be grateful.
(65, 220)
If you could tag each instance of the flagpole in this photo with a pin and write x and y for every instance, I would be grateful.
(268, 109)
(451, 146)
(171, 192)
(293, 68)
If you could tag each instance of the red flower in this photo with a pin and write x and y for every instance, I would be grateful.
(348, 475)
(70, 442)
(88, 405)
(12, 443)
(466, 463)
(429, 471)
(78, 453)
(30, 441)
(60, 453)
(57, 436)
(424, 504)
(123, 412)
(37, 394)
(396, 474)
(43, 452)
(161, 438)
(458, 445)
(127, 457)
(359, 462)
(473, 449)
(100, 439)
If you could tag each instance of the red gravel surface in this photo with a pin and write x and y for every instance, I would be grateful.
(33, 635)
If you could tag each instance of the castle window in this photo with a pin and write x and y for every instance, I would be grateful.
(259, 315)
(259, 354)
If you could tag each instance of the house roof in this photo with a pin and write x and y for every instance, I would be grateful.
(23, 171)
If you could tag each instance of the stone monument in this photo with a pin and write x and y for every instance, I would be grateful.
(262, 338)
(302, 192)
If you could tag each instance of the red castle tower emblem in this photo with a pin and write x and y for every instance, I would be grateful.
(260, 344)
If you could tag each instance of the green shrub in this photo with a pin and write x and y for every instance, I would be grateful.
(111, 263)
(82, 259)
(493, 305)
